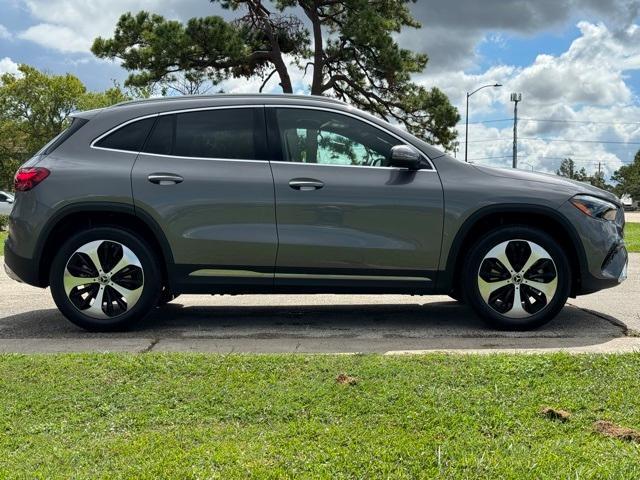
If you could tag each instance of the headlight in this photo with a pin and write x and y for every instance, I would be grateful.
(595, 207)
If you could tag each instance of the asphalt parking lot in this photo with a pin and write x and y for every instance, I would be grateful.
(602, 322)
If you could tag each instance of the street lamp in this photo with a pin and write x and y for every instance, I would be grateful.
(466, 132)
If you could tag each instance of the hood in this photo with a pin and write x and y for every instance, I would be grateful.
(550, 179)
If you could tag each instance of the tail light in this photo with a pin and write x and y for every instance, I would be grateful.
(27, 178)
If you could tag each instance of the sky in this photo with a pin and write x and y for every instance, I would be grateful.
(575, 62)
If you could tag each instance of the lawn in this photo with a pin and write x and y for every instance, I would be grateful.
(268, 416)
(3, 237)
(632, 236)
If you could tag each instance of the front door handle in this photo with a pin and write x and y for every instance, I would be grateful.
(165, 178)
(305, 184)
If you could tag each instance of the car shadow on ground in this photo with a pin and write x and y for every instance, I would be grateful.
(339, 328)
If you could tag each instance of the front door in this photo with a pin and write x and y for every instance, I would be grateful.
(204, 178)
(346, 219)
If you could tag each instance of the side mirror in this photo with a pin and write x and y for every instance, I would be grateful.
(9, 200)
(404, 156)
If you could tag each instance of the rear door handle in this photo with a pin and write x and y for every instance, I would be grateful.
(305, 184)
(165, 178)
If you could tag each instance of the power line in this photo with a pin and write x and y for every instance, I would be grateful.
(550, 120)
(544, 139)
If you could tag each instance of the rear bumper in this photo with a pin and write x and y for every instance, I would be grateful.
(19, 268)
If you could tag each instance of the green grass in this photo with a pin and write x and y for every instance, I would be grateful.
(632, 236)
(3, 237)
(267, 416)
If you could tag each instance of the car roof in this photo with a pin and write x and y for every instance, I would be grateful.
(241, 97)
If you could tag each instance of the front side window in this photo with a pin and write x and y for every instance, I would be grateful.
(221, 133)
(318, 136)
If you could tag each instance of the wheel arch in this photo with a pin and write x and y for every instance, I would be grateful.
(488, 218)
(74, 218)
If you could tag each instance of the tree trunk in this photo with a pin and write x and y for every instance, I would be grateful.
(318, 48)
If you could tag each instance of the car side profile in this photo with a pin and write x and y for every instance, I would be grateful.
(137, 203)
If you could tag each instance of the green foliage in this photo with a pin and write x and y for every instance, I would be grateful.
(35, 107)
(4, 223)
(568, 169)
(628, 179)
(350, 48)
(632, 237)
(190, 416)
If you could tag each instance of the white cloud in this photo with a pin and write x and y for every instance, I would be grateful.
(4, 33)
(72, 25)
(8, 66)
(60, 38)
(584, 92)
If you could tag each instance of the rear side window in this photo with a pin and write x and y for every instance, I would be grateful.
(76, 123)
(232, 133)
(129, 137)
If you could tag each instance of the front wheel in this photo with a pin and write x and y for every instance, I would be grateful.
(517, 278)
(105, 279)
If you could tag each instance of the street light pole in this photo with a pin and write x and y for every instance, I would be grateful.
(466, 129)
(515, 97)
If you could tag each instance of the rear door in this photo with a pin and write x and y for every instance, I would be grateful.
(346, 218)
(204, 178)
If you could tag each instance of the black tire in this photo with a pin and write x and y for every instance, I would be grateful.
(151, 279)
(166, 296)
(548, 309)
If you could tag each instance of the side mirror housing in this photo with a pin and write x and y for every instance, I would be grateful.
(404, 156)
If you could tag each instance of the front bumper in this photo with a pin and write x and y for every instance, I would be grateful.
(19, 268)
(613, 271)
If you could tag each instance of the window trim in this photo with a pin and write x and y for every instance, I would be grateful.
(174, 112)
(118, 127)
(265, 107)
(357, 117)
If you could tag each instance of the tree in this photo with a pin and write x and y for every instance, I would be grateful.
(628, 179)
(568, 169)
(35, 107)
(598, 180)
(349, 47)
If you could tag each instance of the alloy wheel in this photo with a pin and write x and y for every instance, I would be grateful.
(103, 279)
(517, 278)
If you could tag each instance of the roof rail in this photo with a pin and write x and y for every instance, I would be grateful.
(229, 95)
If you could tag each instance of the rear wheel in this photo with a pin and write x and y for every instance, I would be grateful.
(517, 278)
(105, 279)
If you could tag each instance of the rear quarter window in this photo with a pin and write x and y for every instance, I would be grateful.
(129, 137)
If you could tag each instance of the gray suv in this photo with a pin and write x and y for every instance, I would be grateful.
(140, 202)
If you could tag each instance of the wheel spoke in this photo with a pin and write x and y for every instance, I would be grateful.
(130, 296)
(517, 311)
(71, 281)
(487, 288)
(95, 310)
(128, 259)
(549, 289)
(91, 250)
(499, 252)
(537, 253)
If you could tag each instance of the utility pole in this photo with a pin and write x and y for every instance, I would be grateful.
(515, 98)
(599, 168)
